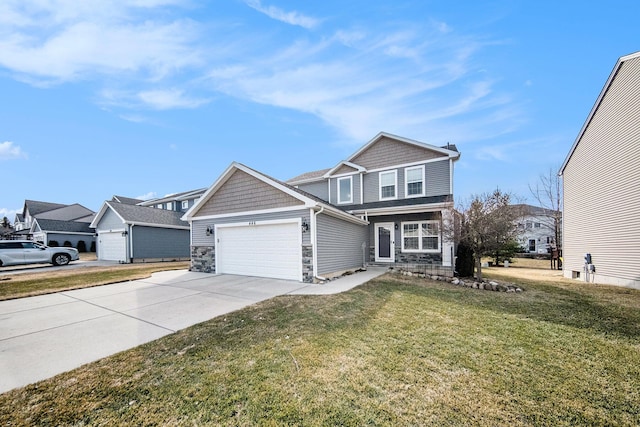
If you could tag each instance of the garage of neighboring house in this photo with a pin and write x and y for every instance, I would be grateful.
(250, 224)
(130, 233)
(112, 246)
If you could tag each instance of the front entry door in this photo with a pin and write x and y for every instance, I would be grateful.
(385, 242)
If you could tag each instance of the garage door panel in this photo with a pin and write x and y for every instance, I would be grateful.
(112, 246)
(272, 250)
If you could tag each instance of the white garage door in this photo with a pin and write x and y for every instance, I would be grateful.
(263, 250)
(112, 246)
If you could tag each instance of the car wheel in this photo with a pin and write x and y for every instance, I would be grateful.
(61, 259)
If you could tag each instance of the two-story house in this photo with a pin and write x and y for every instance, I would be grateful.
(55, 224)
(536, 229)
(389, 203)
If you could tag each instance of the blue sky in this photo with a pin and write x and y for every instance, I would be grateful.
(144, 98)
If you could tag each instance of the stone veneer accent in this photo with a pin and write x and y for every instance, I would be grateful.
(307, 263)
(203, 259)
(415, 262)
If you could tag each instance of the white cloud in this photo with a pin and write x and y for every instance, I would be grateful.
(60, 41)
(291, 18)
(169, 99)
(9, 151)
(9, 213)
(148, 196)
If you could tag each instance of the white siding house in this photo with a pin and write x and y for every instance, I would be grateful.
(601, 179)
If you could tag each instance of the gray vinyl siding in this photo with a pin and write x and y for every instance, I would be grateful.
(198, 227)
(319, 189)
(356, 190)
(243, 192)
(438, 177)
(110, 221)
(339, 245)
(391, 152)
(601, 186)
(153, 242)
(72, 238)
(437, 181)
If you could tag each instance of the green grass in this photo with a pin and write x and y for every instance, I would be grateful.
(395, 351)
(31, 284)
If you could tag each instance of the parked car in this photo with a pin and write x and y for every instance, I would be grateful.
(15, 252)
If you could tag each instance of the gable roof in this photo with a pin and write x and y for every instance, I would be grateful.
(454, 154)
(308, 176)
(66, 213)
(596, 106)
(141, 215)
(62, 226)
(308, 200)
(449, 151)
(35, 207)
(126, 200)
(184, 195)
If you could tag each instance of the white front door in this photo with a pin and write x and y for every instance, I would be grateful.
(385, 242)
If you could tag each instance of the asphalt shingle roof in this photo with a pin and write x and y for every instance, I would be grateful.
(64, 226)
(146, 215)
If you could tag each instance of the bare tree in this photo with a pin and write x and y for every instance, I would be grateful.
(489, 222)
(547, 191)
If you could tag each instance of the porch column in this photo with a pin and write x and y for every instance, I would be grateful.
(447, 238)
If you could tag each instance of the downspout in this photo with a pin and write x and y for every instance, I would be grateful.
(314, 236)
(130, 243)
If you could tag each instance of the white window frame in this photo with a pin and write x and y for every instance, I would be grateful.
(185, 204)
(350, 200)
(395, 184)
(420, 236)
(406, 182)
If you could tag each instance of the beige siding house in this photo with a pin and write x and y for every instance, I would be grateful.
(601, 179)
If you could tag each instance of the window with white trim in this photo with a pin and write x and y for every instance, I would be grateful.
(345, 190)
(421, 236)
(185, 204)
(388, 185)
(414, 178)
(170, 206)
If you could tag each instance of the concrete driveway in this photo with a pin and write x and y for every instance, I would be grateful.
(46, 335)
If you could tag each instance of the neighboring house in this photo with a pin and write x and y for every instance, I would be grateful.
(536, 230)
(55, 231)
(179, 202)
(601, 185)
(131, 233)
(385, 204)
(54, 222)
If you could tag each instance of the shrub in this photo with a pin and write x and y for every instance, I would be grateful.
(93, 246)
(82, 246)
(67, 244)
(464, 261)
(54, 243)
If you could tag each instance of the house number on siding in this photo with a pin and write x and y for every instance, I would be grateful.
(252, 223)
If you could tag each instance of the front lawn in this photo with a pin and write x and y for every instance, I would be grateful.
(396, 351)
(19, 285)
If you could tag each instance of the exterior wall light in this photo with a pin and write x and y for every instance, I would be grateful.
(209, 231)
(125, 233)
(305, 226)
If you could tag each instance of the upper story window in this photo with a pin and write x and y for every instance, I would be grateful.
(169, 206)
(185, 204)
(345, 190)
(160, 206)
(388, 185)
(414, 178)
